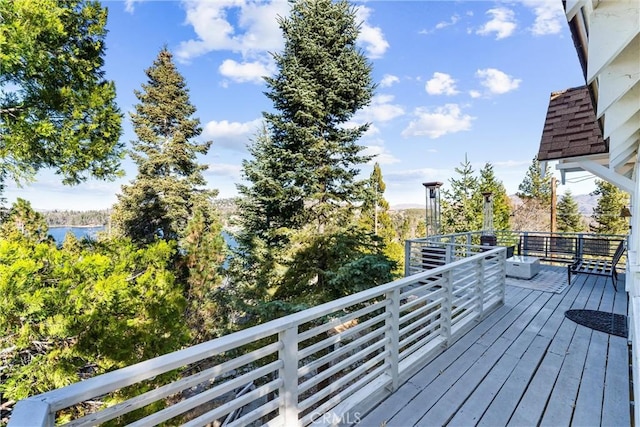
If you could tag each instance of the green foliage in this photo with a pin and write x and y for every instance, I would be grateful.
(299, 245)
(23, 221)
(328, 266)
(607, 213)
(375, 218)
(462, 203)
(84, 309)
(568, 216)
(322, 80)
(489, 183)
(169, 184)
(204, 251)
(535, 184)
(56, 108)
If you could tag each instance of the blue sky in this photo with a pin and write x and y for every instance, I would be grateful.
(454, 78)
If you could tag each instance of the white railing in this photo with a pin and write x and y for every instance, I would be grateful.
(432, 251)
(323, 365)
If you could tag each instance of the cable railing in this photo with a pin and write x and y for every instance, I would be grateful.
(326, 364)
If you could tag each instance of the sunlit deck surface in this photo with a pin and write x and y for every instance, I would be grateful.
(524, 365)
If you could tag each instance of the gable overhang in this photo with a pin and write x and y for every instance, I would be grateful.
(606, 35)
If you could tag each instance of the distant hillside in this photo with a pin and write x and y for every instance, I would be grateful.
(586, 203)
(404, 206)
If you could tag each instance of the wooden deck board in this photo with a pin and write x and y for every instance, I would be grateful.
(615, 407)
(588, 410)
(563, 398)
(525, 364)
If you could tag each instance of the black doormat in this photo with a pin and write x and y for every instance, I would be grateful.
(614, 324)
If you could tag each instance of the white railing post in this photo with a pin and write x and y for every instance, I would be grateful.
(288, 393)
(448, 254)
(469, 240)
(407, 258)
(392, 335)
(479, 289)
(32, 412)
(447, 306)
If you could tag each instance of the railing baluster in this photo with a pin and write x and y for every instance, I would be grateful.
(407, 257)
(479, 288)
(392, 325)
(447, 307)
(288, 393)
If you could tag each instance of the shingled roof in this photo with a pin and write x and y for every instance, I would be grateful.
(571, 129)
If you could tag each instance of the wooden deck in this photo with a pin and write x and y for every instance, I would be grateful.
(524, 365)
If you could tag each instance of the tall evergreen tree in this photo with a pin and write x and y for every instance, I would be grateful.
(299, 210)
(568, 216)
(489, 183)
(322, 80)
(374, 217)
(607, 212)
(462, 204)
(23, 221)
(536, 184)
(56, 108)
(535, 192)
(169, 184)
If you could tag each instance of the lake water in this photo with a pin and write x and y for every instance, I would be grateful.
(58, 233)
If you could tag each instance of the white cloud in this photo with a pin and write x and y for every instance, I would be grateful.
(502, 23)
(415, 175)
(129, 5)
(231, 135)
(549, 16)
(496, 81)
(381, 109)
(382, 155)
(372, 38)
(256, 31)
(438, 122)
(246, 71)
(225, 169)
(441, 84)
(475, 94)
(512, 163)
(389, 80)
(442, 24)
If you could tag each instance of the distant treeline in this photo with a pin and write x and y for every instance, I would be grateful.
(58, 218)
(61, 218)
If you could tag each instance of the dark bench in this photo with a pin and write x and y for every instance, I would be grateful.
(549, 248)
(595, 258)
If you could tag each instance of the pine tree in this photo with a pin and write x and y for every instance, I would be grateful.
(462, 203)
(322, 80)
(607, 212)
(374, 217)
(169, 184)
(23, 221)
(568, 216)
(536, 185)
(56, 108)
(535, 193)
(489, 183)
(299, 243)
